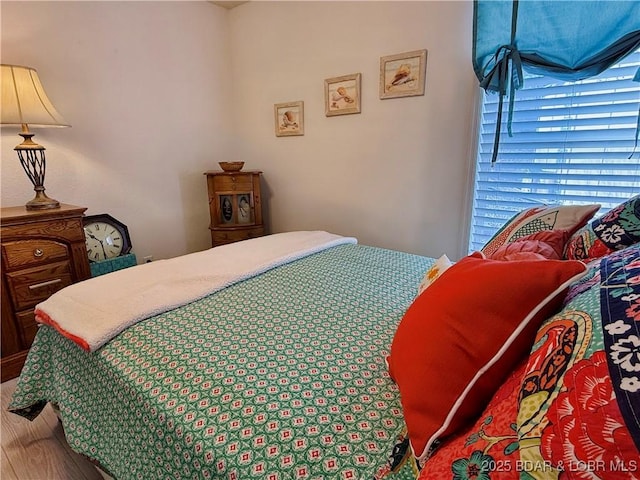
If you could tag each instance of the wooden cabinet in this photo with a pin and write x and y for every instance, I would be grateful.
(42, 252)
(235, 206)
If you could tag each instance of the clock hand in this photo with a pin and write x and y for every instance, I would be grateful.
(93, 236)
(99, 241)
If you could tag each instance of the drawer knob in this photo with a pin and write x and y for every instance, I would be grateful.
(38, 253)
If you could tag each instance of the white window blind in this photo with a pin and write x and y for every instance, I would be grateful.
(571, 145)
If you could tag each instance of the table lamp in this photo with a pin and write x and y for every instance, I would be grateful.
(24, 102)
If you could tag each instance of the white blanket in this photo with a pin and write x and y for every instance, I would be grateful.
(94, 311)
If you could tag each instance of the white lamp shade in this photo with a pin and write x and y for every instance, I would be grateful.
(24, 100)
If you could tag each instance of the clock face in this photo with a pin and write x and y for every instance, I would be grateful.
(103, 241)
(105, 237)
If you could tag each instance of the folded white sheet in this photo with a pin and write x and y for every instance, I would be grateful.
(94, 311)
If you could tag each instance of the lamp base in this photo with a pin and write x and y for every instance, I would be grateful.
(34, 163)
(41, 201)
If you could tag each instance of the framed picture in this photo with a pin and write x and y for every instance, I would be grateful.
(403, 75)
(289, 119)
(342, 95)
(226, 208)
(244, 208)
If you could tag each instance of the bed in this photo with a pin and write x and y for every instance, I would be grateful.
(311, 367)
(277, 376)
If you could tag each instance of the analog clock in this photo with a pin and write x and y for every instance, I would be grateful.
(105, 237)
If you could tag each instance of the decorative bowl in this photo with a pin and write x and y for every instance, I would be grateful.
(231, 166)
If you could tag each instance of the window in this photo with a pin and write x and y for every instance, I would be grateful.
(571, 145)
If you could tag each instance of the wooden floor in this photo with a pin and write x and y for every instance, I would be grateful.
(37, 450)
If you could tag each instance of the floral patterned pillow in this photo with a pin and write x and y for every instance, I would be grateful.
(579, 405)
(545, 244)
(568, 218)
(617, 229)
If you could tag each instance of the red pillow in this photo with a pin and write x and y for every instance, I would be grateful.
(464, 334)
(547, 243)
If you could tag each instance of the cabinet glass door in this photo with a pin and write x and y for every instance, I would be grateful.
(236, 208)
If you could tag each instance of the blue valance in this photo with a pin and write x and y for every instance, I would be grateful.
(570, 40)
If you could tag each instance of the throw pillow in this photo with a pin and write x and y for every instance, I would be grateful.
(437, 269)
(459, 340)
(546, 244)
(538, 219)
(617, 229)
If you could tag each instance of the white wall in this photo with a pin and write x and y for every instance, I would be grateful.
(394, 175)
(158, 92)
(145, 87)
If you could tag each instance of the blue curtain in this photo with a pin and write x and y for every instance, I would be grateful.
(570, 40)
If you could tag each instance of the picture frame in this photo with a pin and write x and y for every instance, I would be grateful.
(244, 215)
(289, 118)
(403, 74)
(342, 95)
(225, 208)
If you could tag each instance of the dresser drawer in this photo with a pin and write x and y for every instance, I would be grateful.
(233, 183)
(31, 286)
(219, 237)
(63, 229)
(26, 253)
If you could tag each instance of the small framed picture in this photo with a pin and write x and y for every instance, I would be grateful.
(403, 75)
(289, 118)
(244, 208)
(225, 206)
(342, 95)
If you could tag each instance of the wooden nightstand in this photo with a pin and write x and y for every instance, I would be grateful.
(234, 206)
(42, 252)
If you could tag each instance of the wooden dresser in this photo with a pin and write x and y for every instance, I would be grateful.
(235, 206)
(42, 252)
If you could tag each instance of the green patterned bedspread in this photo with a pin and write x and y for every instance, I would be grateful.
(281, 376)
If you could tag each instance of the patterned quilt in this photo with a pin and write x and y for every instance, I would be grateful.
(281, 376)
